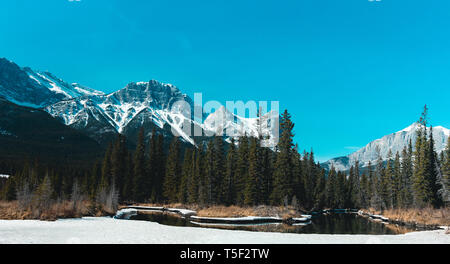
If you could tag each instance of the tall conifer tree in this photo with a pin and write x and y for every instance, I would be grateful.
(241, 169)
(229, 191)
(140, 192)
(283, 178)
(172, 177)
(252, 194)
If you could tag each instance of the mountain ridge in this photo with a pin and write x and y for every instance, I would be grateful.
(156, 105)
(391, 142)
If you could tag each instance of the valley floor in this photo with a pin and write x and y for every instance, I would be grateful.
(100, 230)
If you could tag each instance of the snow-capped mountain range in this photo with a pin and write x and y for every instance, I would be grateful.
(150, 104)
(36, 89)
(223, 122)
(156, 105)
(394, 142)
(142, 101)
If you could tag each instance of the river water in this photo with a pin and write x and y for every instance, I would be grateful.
(335, 223)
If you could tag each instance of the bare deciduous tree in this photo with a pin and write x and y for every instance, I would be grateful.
(24, 195)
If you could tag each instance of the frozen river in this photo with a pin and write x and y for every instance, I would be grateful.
(99, 230)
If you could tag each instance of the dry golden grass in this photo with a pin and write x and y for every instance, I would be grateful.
(226, 211)
(65, 209)
(10, 210)
(233, 211)
(425, 216)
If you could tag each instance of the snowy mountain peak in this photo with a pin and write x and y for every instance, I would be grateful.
(223, 122)
(151, 104)
(36, 89)
(413, 127)
(153, 93)
(17, 86)
(220, 114)
(86, 90)
(393, 143)
(136, 104)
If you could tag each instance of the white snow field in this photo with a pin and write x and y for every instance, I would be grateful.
(105, 230)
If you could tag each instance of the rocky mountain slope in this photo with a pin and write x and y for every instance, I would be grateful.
(394, 142)
(152, 105)
(36, 89)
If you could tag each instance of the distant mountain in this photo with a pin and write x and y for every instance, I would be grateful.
(152, 105)
(36, 89)
(394, 142)
(223, 122)
(149, 104)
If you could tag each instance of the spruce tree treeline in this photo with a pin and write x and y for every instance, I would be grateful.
(245, 173)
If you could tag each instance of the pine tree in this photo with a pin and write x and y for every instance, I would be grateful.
(229, 192)
(422, 192)
(251, 195)
(185, 176)
(219, 169)
(433, 172)
(209, 172)
(299, 176)
(158, 168)
(341, 190)
(365, 191)
(119, 163)
(445, 191)
(315, 175)
(241, 169)
(308, 177)
(376, 200)
(319, 191)
(128, 187)
(193, 182)
(396, 182)
(266, 174)
(171, 180)
(106, 170)
(139, 185)
(200, 174)
(152, 166)
(94, 181)
(330, 189)
(283, 178)
(356, 187)
(34, 174)
(386, 182)
(406, 195)
(371, 184)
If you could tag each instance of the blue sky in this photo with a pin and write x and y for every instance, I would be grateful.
(348, 71)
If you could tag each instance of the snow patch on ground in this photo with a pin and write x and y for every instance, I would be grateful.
(182, 211)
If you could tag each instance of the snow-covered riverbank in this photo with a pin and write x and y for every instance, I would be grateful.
(107, 230)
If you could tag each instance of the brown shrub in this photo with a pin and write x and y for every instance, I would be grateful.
(61, 209)
(425, 216)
